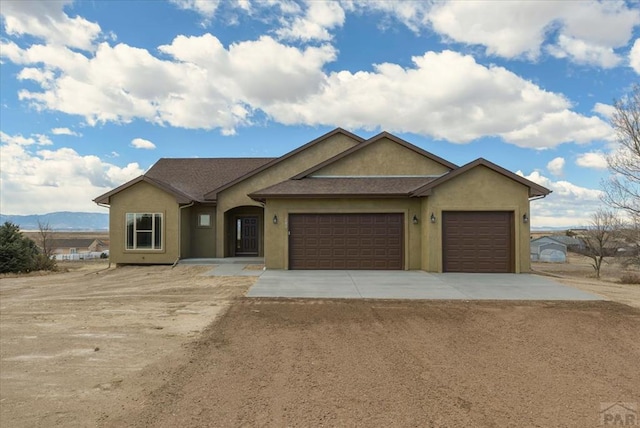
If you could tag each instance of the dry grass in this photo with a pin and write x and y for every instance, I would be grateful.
(615, 283)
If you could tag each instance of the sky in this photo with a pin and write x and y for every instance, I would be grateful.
(94, 92)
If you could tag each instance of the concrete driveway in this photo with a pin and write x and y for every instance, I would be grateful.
(412, 285)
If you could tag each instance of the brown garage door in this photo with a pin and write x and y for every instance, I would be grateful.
(346, 241)
(477, 241)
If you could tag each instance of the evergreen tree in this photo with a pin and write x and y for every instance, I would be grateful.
(17, 252)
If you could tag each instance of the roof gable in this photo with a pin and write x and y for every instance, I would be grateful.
(534, 189)
(181, 197)
(212, 195)
(368, 143)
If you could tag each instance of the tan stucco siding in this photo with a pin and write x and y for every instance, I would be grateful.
(276, 236)
(479, 189)
(383, 157)
(236, 195)
(144, 198)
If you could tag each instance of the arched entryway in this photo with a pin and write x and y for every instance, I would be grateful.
(244, 232)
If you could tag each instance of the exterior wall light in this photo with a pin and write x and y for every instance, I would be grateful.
(525, 218)
(275, 219)
(415, 219)
(433, 218)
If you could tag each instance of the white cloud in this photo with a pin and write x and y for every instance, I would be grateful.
(46, 19)
(121, 83)
(558, 127)
(569, 204)
(595, 160)
(446, 95)
(319, 18)
(37, 181)
(141, 143)
(522, 29)
(65, 131)
(582, 52)
(634, 56)
(604, 110)
(463, 100)
(556, 166)
(413, 14)
(206, 8)
(19, 140)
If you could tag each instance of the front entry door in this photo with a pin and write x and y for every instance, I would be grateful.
(247, 236)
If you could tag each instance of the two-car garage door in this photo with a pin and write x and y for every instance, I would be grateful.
(346, 241)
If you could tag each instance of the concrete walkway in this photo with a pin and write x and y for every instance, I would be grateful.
(412, 285)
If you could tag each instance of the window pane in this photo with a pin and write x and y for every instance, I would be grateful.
(143, 240)
(204, 220)
(144, 221)
(157, 239)
(130, 231)
(143, 231)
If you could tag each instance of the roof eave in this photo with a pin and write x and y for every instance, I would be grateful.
(264, 196)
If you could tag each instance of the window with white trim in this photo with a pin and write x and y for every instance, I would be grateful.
(144, 231)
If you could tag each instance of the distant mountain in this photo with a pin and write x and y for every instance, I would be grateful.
(64, 220)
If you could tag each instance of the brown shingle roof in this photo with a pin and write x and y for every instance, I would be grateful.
(196, 177)
(70, 243)
(189, 179)
(344, 187)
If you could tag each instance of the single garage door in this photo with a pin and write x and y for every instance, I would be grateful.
(346, 241)
(477, 241)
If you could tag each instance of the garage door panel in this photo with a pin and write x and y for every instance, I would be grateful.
(477, 241)
(346, 241)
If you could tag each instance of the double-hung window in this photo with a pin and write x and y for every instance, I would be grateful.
(144, 231)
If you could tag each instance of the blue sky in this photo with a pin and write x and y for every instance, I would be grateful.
(94, 92)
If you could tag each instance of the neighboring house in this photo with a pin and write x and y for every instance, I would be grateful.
(547, 249)
(77, 248)
(573, 244)
(338, 202)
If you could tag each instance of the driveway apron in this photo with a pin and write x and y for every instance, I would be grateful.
(350, 284)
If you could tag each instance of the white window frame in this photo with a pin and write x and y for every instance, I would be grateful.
(155, 229)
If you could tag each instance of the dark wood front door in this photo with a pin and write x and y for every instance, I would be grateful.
(246, 236)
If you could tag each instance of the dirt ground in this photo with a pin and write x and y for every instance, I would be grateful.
(161, 347)
(386, 363)
(72, 345)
